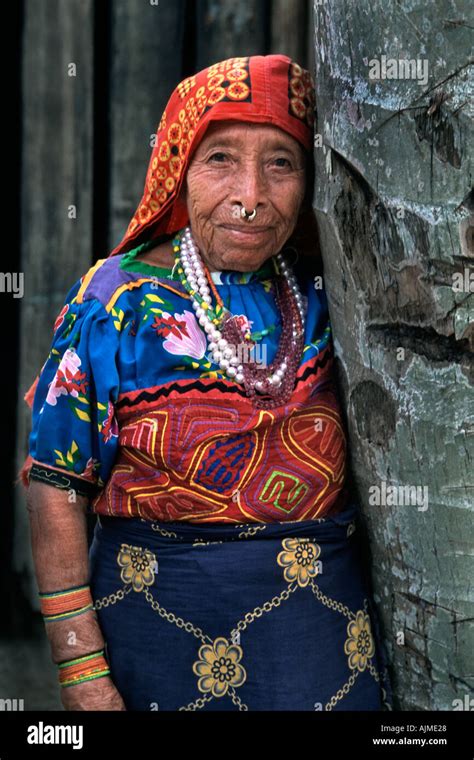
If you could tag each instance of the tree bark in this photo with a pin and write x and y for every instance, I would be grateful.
(395, 212)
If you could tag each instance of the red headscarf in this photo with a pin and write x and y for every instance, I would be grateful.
(263, 89)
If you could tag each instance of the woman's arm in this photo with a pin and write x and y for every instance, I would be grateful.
(60, 555)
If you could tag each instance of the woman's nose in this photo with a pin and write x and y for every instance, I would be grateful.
(249, 187)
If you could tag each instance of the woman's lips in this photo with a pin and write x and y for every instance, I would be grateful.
(245, 234)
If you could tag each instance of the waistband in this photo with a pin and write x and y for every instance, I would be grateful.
(331, 527)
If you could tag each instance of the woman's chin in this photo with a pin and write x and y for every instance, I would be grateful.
(241, 261)
(245, 256)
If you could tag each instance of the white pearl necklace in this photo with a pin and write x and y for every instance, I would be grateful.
(224, 353)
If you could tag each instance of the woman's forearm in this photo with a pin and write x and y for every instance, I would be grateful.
(60, 554)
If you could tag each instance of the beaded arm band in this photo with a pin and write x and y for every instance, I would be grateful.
(61, 605)
(85, 668)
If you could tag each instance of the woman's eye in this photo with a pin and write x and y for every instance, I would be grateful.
(218, 157)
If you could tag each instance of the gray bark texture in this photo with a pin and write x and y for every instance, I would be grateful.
(394, 208)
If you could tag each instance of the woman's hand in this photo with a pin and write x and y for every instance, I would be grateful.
(98, 694)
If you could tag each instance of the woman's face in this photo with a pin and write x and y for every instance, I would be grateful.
(244, 165)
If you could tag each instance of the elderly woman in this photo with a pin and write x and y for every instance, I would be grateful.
(188, 401)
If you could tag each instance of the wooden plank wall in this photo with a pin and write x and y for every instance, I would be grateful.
(145, 65)
(57, 174)
(86, 143)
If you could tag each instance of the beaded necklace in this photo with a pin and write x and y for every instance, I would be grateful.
(267, 386)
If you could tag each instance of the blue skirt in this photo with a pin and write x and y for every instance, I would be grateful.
(255, 616)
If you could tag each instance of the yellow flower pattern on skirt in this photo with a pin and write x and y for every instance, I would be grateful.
(220, 665)
(360, 644)
(137, 566)
(299, 560)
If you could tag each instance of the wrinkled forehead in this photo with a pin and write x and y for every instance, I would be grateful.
(240, 133)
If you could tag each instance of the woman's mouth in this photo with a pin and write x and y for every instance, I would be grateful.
(245, 234)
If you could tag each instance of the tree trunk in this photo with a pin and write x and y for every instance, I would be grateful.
(395, 213)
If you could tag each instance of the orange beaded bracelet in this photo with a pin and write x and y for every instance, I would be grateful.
(61, 605)
(85, 668)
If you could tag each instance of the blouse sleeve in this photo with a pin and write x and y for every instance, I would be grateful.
(74, 437)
